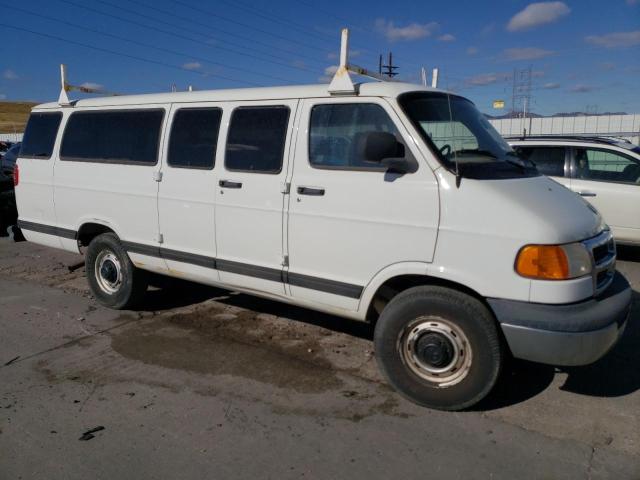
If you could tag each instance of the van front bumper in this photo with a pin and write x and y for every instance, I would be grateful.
(567, 335)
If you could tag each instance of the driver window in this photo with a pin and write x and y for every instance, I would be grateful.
(337, 132)
(605, 166)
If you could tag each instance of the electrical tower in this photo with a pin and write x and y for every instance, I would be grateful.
(389, 69)
(521, 97)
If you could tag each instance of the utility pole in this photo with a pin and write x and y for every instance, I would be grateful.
(389, 69)
(521, 95)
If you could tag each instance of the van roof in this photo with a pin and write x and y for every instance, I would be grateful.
(367, 89)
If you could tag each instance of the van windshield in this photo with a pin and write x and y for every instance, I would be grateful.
(462, 137)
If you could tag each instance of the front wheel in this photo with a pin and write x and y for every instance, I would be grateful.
(113, 279)
(438, 347)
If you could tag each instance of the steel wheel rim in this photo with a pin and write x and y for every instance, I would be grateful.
(108, 272)
(445, 370)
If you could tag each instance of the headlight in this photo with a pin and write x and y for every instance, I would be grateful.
(553, 262)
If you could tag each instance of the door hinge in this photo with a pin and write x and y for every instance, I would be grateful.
(285, 261)
(157, 176)
(160, 238)
(285, 187)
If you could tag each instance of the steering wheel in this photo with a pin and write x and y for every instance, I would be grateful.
(446, 148)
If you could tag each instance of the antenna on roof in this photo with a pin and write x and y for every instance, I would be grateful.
(342, 84)
(63, 99)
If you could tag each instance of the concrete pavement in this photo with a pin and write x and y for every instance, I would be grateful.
(204, 383)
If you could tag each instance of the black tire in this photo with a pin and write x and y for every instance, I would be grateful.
(452, 319)
(130, 282)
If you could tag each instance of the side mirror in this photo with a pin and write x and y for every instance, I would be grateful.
(384, 148)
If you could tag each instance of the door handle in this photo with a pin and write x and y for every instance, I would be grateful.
(587, 194)
(314, 191)
(229, 184)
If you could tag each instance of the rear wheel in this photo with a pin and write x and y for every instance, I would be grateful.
(438, 347)
(113, 279)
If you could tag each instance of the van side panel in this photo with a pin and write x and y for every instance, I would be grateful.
(34, 196)
(186, 202)
(119, 195)
(348, 222)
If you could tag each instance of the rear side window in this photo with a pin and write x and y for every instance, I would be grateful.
(548, 160)
(256, 138)
(113, 137)
(194, 137)
(606, 166)
(40, 135)
(337, 132)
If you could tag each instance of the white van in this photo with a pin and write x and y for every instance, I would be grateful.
(395, 204)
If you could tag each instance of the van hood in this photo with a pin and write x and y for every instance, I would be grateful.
(532, 209)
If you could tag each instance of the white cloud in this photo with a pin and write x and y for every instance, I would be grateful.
(607, 66)
(580, 88)
(447, 37)
(413, 31)
(486, 79)
(615, 39)
(527, 53)
(633, 2)
(536, 14)
(192, 66)
(3, 96)
(10, 75)
(329, 72)
(551, 86)
(92, 86)
(472, 51)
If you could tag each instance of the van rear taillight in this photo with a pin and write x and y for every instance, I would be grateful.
(16, 175)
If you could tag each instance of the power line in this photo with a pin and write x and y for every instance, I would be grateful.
(264, 14)
(201, 24)
(251, 27)
(125, 55)
(142, 44)
(288, 39)
(181, 36)
(207, 35)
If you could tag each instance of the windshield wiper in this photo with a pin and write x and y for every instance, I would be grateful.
(520, 165)
(476, 151)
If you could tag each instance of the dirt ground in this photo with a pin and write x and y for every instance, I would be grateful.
(281, 362)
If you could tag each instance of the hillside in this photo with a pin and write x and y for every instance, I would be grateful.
(13, 116)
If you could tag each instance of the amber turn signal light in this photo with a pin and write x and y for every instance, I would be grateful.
(544, 262)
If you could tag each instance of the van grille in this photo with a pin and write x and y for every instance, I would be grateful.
(603, 257)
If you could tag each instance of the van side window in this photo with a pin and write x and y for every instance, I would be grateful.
(548, 160)
(40, 135)
(337, 131)
(113, 136)
(194, 137)
(256, 138)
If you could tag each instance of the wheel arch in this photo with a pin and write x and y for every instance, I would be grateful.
(90, 229)
(399, 277)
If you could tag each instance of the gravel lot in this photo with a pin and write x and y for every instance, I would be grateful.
(205, 382)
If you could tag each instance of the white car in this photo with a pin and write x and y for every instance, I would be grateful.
(388, 203)
(606, 172)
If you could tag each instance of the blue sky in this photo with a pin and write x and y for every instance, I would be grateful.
(582, 53)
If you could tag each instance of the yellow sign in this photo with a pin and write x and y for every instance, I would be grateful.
(498, 104)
